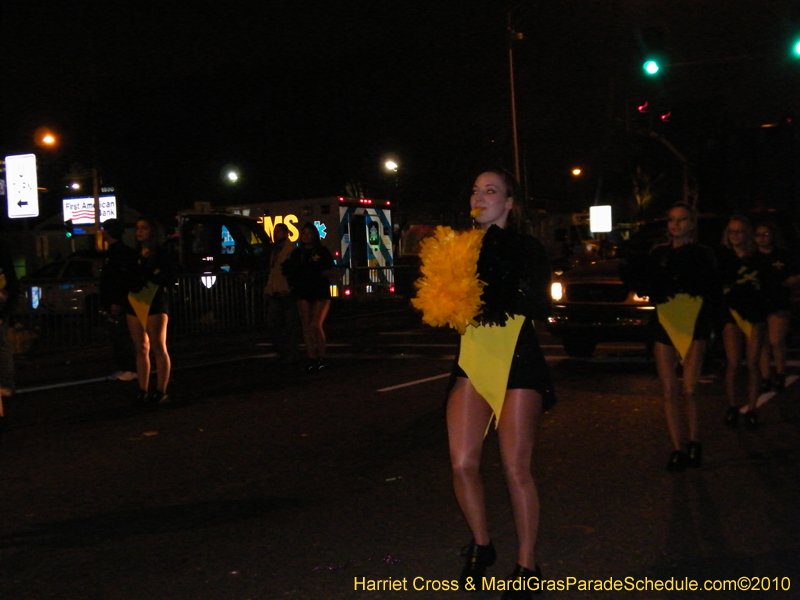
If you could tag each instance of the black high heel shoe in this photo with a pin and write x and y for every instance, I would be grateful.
(694, 455)
(677, 462)
(478, 558)
(526, 580)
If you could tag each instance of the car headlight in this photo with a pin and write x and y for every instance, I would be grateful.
(638, 298)
(556, 291)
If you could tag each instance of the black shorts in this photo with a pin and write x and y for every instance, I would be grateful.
(703, 327)
(529, 369)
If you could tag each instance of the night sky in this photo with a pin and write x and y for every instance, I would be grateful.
(308, 97)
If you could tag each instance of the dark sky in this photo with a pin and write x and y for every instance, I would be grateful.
(304, 97)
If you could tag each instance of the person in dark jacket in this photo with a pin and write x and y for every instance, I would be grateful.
(9, 292)
(119, 261)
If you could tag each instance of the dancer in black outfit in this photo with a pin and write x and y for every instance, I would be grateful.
(148, 311)
(780, 275)
(744, 315)
(309, 270)
(513, 390)
(679, 277)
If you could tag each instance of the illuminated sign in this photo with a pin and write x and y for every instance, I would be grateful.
(81, 210)
(289, 220)
(21, 186)
(599, 219)
(321, 229)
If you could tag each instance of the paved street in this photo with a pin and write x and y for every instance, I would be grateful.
(265, 482)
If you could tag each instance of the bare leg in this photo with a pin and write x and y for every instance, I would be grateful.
(517, 433)
(319, 310)
(304, 308)
(141, 345)
(666, 363)
(467, 416)
(157, 332)
(692, 368)
(732, 340)
(778, 331)
(753, 352)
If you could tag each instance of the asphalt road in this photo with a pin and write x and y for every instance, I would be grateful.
(265, 482)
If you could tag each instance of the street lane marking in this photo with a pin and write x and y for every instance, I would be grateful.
(52, 386)
(418, 381)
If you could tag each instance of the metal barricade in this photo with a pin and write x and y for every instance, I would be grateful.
(198, 304)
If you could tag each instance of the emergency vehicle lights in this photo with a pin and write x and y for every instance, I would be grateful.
(347, 291)
(391, 289)
(556, 291)
(334, 290)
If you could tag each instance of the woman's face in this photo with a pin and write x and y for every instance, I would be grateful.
(680, 224)
(763, 237)
(738, 234)
(142, 231)
(489, 192)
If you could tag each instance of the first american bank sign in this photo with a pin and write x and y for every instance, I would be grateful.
(81, 210)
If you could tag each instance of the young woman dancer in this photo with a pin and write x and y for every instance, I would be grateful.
(511, 386)
(148, 311)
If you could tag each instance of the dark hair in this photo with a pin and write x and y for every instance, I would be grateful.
(513, 191)
(778, 240)
(156, 234)
(282, 227)
(115, 228)
(313, 228)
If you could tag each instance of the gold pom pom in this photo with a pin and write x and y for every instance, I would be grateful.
(449, 291)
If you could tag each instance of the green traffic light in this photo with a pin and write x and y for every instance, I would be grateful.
(797, 48)
(651, 67)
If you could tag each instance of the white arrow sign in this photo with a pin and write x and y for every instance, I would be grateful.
(21, 186)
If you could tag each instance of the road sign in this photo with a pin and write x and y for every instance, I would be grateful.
(81, 210)
(21, 186)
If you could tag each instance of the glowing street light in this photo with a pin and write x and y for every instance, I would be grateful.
(391, 165)
(230, 174)
(577, 171)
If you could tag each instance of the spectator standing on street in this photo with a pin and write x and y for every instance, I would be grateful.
(120, 259)
(9, 292)
(282, 318)
(744, 315)
(309, 270)
(148, 312)
(679, 277)
(781, 275)
(501, 375)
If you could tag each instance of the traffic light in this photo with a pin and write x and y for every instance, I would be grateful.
(68, 228)
(651, 66)
(796, 47)
(652, 43)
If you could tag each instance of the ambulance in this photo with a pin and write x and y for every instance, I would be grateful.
(357, 231)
